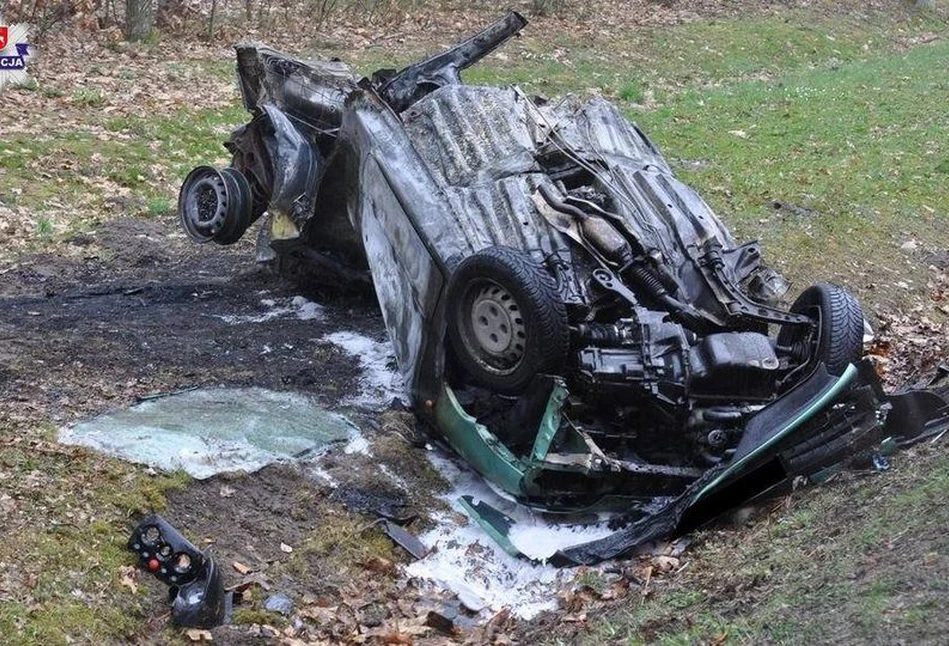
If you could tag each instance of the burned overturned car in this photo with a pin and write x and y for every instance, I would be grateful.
(573, 320)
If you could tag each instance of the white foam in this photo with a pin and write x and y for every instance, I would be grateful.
(466, 561)
(394, 477)
(316, 469)
(380, 382)
(357, 444)
(868, 334)
(306, 310)
(297, 307)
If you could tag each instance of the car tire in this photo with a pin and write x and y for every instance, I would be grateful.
(840, 326)
(506, 321)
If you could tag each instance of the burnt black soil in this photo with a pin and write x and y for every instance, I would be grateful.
(140, 311)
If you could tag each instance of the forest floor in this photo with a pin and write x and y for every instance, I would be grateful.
(817, 127)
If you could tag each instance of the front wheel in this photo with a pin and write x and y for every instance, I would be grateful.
(839, 317)
(506, 321)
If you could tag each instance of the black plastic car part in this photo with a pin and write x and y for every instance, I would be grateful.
(839, 318)
(215, 205)
(507, 322)
(196, 587)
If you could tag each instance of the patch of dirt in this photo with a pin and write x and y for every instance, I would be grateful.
(245, 517)
(283, 531)
(143, 313)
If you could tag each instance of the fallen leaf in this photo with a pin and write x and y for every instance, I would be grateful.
(322, 615)
(666, 563)
(196, 635)
(240, 567)
(129, 573)
(379, 565)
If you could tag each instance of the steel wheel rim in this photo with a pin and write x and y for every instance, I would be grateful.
(492, 327)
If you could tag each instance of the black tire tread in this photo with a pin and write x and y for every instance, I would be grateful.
(847, 323)
(841, 325)
(545, 312)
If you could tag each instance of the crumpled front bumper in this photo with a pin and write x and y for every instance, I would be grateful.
(824, 424)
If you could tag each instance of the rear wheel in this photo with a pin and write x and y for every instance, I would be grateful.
(506, 320)
(839, 318)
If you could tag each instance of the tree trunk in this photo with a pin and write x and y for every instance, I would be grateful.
(211, 20)
(139, 18)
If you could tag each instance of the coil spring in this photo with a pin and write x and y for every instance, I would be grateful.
(649, 280)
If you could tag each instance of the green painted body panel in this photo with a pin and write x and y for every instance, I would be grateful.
(550, 423)
(487, 454)
(477, 445)
(493, 460)
(497, 535)
(825, 400)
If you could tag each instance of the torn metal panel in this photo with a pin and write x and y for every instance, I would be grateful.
(495, 524)
(401, 89)
(403, 538)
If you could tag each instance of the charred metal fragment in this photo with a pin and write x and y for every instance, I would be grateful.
(402, 89)
(917, 414)
(403, 538)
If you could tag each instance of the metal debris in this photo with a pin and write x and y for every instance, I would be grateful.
(403, 538)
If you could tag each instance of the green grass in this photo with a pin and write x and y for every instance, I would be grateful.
(827, 567)
(160, 205)
(631, 92)
(698, 54)
(68, 565)
(44, 227)
(861, 146)
(137, 169)
(671, 59)
(88, 97)
(52, 92)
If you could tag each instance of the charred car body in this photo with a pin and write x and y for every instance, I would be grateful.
(575, 321)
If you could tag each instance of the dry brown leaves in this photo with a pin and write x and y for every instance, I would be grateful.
(909, 346)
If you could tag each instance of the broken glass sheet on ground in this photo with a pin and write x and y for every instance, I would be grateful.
(213, 430)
